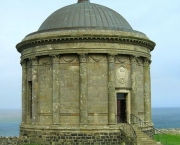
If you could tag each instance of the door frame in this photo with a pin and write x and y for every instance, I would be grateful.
(128, 103)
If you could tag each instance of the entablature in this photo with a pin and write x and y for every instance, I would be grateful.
(85, 37)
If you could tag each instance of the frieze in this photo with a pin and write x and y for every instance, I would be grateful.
(122, 74)
(64, 48)
(92, 45)
(69, 58)
(45, 61)
(141, 49)
(35, 60)
(122, 59)
(83, 45)
(96, 57)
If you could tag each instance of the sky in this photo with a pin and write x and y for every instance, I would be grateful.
(158, 19)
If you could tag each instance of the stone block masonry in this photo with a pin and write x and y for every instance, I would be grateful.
(14, 140)
(66, 138)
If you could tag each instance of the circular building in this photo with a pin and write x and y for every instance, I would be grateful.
(84, 72)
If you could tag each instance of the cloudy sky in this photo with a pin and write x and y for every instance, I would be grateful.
(158, 19)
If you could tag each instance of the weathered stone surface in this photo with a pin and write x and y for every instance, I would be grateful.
(65, 138)
(71, 79)
(111, 90)
(147, 91)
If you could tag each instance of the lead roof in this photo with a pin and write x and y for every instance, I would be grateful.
(85, 15)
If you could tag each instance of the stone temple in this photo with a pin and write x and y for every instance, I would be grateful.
(85, 72)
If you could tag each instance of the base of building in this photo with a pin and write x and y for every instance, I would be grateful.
(92, 135)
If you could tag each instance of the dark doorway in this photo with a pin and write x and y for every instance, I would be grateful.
(121, 107)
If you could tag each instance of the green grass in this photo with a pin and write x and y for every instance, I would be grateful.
(171, 139)
(32, 144)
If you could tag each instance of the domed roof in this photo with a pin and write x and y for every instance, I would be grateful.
(85, 15)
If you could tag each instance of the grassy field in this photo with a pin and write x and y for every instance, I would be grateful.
(171, 139)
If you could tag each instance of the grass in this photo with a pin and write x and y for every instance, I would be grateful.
(171, 139)
(31, 144)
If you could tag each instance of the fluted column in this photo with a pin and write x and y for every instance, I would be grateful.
(134, 97)
(111, 91)
(83, 89)
(24, 91)
(34, 90)
(147, 91)
(55, 93)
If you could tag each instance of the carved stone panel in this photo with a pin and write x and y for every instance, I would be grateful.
(68, 58)
(122, 59)
(44, 61)
(122, 74)
(96, 57)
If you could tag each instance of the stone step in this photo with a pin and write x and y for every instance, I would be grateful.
(143, 139)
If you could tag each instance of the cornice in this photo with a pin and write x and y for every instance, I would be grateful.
(86, 38)
(67, 36)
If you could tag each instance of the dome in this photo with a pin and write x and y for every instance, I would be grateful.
(85, 15)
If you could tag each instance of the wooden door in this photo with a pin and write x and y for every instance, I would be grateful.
(118, 110)
(121, 110)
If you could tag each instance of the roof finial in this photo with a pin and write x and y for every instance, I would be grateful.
(80, 1)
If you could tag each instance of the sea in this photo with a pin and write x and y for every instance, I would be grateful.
(163, 118)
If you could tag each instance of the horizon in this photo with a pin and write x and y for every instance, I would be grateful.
(21, 108)
(159, 20)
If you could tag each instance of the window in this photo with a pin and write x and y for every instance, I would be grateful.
(30, 98)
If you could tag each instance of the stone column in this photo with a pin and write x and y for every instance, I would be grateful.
(34, 90)
(55, 93)
(24, 91)
(147, 91)
(134, 97)
(83, 89)
(111, 91)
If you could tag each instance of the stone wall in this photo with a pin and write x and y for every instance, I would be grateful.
(169, 131)
(97, 89)
(14, 140)
(66, 138)
(44, 91)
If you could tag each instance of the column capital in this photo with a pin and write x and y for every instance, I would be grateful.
(34, 60)
(111, 57)
(82, 57)
(133, 59)
(23, 63)
(55, 58)
(147, 62)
